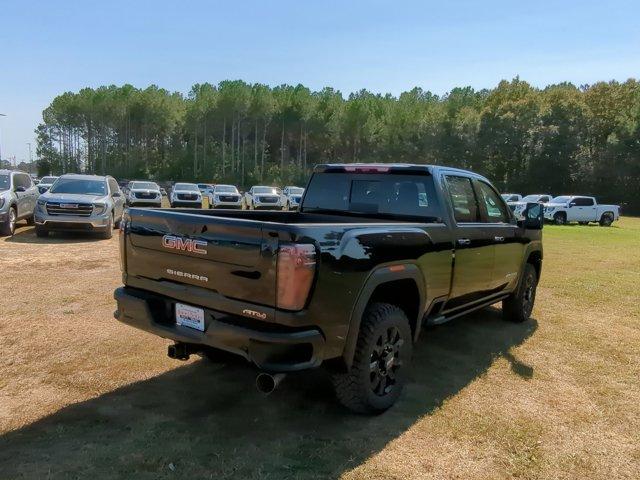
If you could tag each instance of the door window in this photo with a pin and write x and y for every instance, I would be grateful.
(22, 180)
(496, 211)
(113, 186)
(463, 199)
(583, 202)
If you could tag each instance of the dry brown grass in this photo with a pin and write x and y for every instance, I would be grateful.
(558, 397)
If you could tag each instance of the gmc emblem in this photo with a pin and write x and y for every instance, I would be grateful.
(184, 244)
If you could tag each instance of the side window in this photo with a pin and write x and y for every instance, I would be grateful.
(495, 209)
(113, 186)
(583, 202)
(465, 206)
(21, 180)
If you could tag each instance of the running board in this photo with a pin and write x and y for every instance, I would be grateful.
(440, 319)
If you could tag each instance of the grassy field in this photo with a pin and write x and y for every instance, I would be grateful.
(82, 396)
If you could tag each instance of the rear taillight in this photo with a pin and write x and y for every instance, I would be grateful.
(296, 269)
(123, 226)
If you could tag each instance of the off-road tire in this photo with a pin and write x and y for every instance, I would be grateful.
(560, 218)
(41, 232)
(606, 219)
(358, 389)
(517, 307)
(8, 228)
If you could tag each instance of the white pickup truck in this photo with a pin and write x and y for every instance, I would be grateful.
(565, 209)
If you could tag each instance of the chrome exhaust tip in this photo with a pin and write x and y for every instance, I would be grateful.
(267, 383)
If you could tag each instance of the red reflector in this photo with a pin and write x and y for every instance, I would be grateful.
(397, 268)
(366, 169)
(296, 268)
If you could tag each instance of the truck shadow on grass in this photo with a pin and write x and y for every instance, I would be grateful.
(28, 235)
(207, 421)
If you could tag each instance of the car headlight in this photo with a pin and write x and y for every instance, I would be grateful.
(550, 209)
(99, 208)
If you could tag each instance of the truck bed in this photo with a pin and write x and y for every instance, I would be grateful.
(283, 217)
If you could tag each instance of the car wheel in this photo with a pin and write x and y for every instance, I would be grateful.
(382, 356)
(41, 232)
(517, 307)
(108, 232)
(606, 220)
(560, 218)
(8, 228)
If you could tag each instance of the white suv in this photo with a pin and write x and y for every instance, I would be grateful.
(225, 196)
(145, 194)
(185, 195)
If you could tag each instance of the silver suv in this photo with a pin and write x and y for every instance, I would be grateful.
(80, 202)
(18, 197)
(144, 193)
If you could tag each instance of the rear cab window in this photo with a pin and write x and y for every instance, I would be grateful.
(391, 195)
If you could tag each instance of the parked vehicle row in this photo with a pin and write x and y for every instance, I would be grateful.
(258, 197)
(565, 208)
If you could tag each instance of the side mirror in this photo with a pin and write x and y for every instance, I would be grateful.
(116, 194)
(533, 217)
(20, 189)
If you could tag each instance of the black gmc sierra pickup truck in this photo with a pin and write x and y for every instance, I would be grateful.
(374, 253)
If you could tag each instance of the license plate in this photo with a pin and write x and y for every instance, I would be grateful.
(189, 316)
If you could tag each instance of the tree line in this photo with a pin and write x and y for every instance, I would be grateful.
(561, 139)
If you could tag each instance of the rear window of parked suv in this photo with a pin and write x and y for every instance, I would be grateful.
(392, 195)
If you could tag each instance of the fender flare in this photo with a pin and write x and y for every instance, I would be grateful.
(376, 278)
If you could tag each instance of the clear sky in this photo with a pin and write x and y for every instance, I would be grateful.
(48, 47)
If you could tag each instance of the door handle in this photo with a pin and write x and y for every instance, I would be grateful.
(499, 239)
(464, 241)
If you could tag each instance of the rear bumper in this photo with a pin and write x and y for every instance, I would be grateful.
(271, 347)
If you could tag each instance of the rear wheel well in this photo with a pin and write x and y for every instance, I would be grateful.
(402, 293)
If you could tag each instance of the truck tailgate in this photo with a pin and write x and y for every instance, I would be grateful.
(230, 256)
